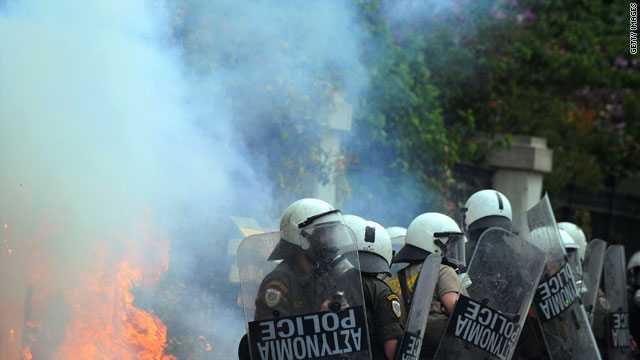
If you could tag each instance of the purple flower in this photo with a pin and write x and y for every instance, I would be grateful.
(621, 62)
(619, 126)
(617, 110)
(526, 17)
(498, 14)
(529, 16)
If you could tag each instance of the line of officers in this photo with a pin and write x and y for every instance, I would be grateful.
(307, 269)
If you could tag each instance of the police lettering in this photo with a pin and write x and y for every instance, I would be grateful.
(410, 348)
(309, 336)
(483, 327)
(619, 336)
(556, 294)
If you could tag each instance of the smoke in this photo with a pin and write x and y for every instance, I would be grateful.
(115, 111)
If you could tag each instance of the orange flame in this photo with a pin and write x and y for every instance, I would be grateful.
(26, 353)
(103, 322)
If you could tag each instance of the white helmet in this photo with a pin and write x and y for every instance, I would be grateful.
(634, 261)
(633, 267)
(299, 215)
(486, 208)
(374, 245)
(433, 233)
(577, 235)
(351, 220)
(397, 235)
(573, 257)
(567, 240)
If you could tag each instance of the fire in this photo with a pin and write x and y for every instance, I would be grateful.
(26, 353)
(207, 345)
(6, 241)
(108, 326)
(12, 336)
(104, 323)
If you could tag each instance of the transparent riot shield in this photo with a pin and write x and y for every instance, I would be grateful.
(592, 272)
(302, 294)
(565, 326)
(411, 342)
(504, 271)
(615, 282)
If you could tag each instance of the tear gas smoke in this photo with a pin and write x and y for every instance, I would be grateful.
(115, 111)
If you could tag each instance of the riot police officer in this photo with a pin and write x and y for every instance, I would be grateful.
(577, 235)
(484, 209)
(295, 286)
(431, 233)
(490, 208)
(382, 303)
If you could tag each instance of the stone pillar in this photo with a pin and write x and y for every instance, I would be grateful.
(338, 121)
(520, 170)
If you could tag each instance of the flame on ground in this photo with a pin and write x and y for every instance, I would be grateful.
(103, 322)
(26, 353)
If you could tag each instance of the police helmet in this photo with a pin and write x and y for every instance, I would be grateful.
(301, 214)
(577, 234)
(397, 235)
(485, 209)
(433, 233)
(633, 267)
(374, 245)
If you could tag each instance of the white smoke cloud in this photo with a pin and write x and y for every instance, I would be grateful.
(103, 112)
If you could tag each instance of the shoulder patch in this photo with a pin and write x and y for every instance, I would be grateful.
(272, 297)
(604, 303)
(393, 296)
(278, 284)
(395, 305)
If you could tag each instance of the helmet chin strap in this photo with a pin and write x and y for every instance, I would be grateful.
(441, 245)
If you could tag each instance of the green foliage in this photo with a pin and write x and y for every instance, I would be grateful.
(547, 68)
(400, 117)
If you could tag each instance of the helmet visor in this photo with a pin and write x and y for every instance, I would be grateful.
(636, 277)
(453, 249)
(574, 260)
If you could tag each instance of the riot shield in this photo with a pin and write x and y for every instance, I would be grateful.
(504, 271)
(615, 282)
(592, 272)
(302, 294)
(560, 314)
(411, 342)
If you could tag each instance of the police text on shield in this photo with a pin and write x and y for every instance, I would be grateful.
(309, 336)
(619, 336)
(556, 294)
(483, 327)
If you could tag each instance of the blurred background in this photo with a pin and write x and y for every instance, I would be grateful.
(141, 141)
